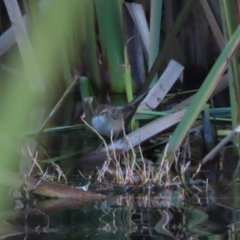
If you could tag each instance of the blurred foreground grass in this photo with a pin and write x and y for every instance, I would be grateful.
(41, 74)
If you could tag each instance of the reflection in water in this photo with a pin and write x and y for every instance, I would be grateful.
(163, 215)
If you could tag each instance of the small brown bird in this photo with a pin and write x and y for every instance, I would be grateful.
(106, 118)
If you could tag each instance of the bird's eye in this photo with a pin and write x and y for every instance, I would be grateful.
(103, 112)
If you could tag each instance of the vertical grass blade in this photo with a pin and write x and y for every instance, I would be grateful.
(138, 16)
(155, 26)
(168, 43)
(111, 38)
(91, 44)
(25, 47)
(213, 24)
(234, 76)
